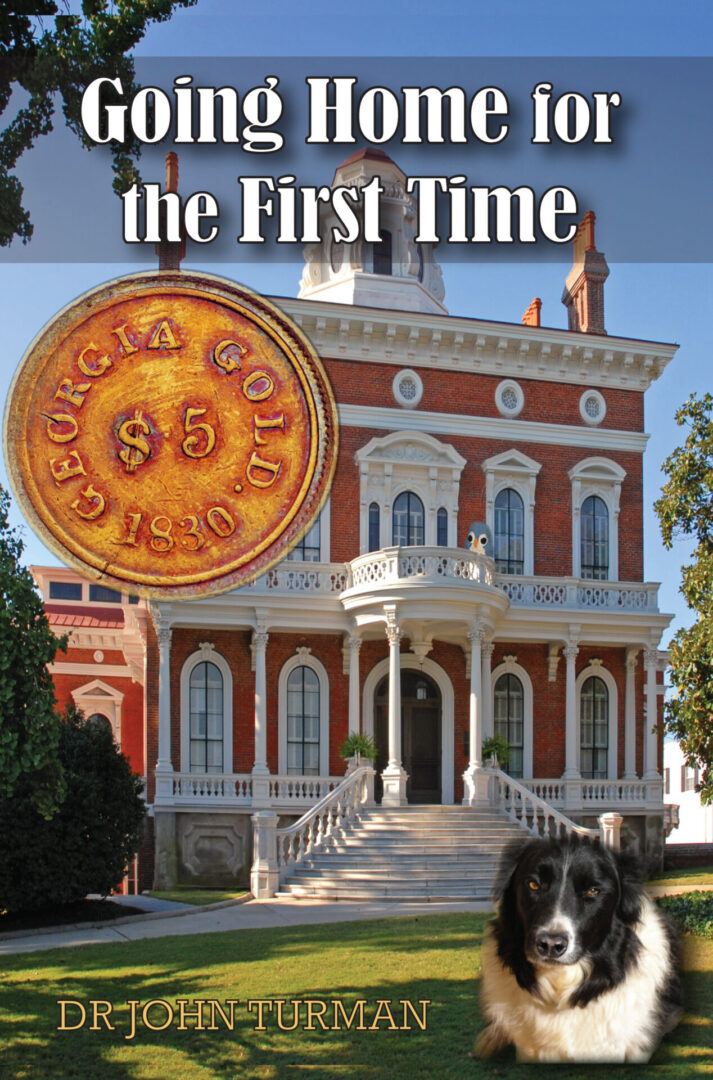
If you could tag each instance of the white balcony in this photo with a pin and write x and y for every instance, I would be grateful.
(452, 568)
(596, 796)
(194, 790)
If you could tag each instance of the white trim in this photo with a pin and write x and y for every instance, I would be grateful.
(100, 697)
(603, 477)
(343, 330)
(592, 421)
(509, 384)
(410, 662)
(513, 469)
(109, 671)
(607, 678)
(303, 658)
(208, 654)
(490, 427)
(408, 461)
(510, 667)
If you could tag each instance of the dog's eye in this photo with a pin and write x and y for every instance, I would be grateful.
(533, 885)
(593, 891)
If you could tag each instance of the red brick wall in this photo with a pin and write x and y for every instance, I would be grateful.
(553, 499)
(132, 707)
(234, 646)
(363, 383)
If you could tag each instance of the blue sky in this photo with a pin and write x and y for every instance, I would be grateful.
(659, 301)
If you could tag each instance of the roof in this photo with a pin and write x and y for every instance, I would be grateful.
(63, 615)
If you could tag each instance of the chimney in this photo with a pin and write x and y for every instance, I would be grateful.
(532, 315)
(583, 294)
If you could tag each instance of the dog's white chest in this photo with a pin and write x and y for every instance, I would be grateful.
(619, 1025)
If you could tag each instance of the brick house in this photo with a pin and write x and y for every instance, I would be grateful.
(520, 442)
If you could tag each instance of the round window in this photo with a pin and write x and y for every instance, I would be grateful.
(592, 407)
(509, 398)
(408, 388)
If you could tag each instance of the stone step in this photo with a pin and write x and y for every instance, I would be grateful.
(408, 862)
(344, 892)
(408, 853)
(414, 878)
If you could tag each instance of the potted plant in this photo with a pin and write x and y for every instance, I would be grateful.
(357, 746)
(496, 747)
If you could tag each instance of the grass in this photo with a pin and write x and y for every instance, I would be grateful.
(692, 875)
(198, 896)
(434, 958)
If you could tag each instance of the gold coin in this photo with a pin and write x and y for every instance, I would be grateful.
(172, 433)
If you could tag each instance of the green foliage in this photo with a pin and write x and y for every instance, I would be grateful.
(29, 726)
(61, 57)
(686, 508)
(90, 841)
(356, 743)
(693, 911)
(499, 746)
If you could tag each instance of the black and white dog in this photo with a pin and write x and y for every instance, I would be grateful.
(579, 964)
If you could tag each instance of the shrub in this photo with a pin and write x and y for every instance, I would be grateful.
(693, 911)
(499, 746)
(91, 839)
(356, 743)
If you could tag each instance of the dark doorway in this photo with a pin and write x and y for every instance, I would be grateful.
(420, 735)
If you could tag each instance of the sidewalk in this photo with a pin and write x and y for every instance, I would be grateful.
(164, 918)
(231, 915)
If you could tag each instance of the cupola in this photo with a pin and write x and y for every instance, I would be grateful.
(396, 273)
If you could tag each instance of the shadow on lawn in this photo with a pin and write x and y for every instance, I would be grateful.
(413, 959)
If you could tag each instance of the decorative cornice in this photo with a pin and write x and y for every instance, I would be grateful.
(413, 339)
(490, 427)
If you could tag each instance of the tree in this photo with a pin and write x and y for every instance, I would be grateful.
(44, 61)
(88, 844)
(29, 725)
(686, 508)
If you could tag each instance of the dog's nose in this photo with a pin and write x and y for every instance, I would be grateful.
(552, 946)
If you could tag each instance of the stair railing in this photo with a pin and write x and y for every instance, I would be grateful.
(540, 819)
(277, 851)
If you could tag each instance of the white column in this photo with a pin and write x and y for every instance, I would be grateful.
(475, 778)
(164, 765)
(630, 715)
(354, 711)
(651, 739)
(393, 632)
(394, 777)
(571, 772)
(475, 637)
(487, 689)
(260, 781)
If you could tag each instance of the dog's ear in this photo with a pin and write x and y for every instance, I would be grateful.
(507, 865)
(632, 875)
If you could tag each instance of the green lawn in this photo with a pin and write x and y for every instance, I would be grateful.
(434, 958)
(198, 896)
(693, 875)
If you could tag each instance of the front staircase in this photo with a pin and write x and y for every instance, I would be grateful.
(409, 853)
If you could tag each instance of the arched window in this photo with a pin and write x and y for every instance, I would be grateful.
(374, 527)
(382, 253)
(206, 718)
(508, 716)
(442, 527)
(595, 539)
(408, 519)
(303, 722)
(594, 729)
(509, 532)
(100, 719)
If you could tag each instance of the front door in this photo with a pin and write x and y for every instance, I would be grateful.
(420, 735)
